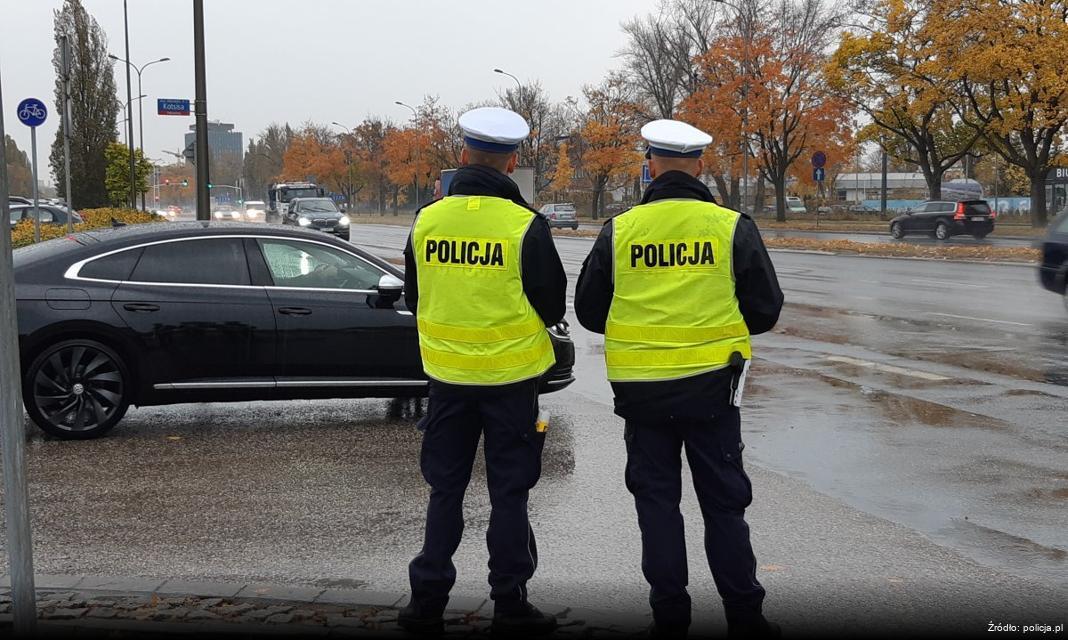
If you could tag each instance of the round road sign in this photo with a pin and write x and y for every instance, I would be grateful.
(32, 112)
(819, 159)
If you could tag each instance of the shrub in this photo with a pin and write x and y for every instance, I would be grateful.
(22, 233)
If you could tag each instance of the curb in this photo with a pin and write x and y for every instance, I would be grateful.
(470, 613)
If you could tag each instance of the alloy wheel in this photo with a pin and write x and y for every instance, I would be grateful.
(78, 388)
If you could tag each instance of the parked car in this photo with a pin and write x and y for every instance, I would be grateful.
(319, 214)
(560, 214)
(13, 200)
(1053, 272)
(945, 219)
(50, 214)
(164, 313)
(794, 204)
(255, 210)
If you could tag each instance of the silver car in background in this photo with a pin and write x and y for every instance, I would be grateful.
(560, 214)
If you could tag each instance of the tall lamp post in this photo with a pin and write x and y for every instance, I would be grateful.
(415, 114)
(140, 104)
(747, 37)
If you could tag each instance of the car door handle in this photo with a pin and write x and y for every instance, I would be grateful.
(140, 307)
(294, 311)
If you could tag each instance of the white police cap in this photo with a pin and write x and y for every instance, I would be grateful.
(493, 129)
(675, 139)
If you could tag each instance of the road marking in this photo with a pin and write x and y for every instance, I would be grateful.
(952, 315)
(952, 284)
(887, 368)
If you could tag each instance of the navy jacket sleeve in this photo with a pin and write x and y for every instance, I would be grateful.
(755, 282)
(411, 282)
(544, 280)
(593, 294)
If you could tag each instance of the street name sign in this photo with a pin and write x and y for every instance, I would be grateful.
(172, 107)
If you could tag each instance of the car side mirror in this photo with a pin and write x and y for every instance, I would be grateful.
(390, 288)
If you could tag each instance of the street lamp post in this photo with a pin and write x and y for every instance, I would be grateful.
(140, 104)
(529, 116)
(415, 114)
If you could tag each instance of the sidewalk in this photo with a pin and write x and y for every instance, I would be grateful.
(142, 607)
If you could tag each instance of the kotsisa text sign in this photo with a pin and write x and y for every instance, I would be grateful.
(173, 107)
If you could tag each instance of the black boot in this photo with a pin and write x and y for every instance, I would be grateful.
(523, 619)
(757, 627)
(422, 622)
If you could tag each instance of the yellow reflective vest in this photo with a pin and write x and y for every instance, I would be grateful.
(476, 326)
(674, 312)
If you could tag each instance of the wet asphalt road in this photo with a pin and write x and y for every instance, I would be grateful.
(906, 438)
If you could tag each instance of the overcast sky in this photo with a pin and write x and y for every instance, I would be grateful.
(323, 60)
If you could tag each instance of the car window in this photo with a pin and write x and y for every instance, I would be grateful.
(201, 261)
(294, 263)
(980, 208)
(117, 266)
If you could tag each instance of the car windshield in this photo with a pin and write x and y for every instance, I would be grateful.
(979, 207)
(298, 192)
(322, 205)
(565, 208)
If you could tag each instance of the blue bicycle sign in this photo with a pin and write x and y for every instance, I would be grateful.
(32, 112)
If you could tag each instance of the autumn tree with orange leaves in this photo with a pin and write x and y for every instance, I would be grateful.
(316, 155)
(408, 156)
(610, 139)
(762, 77)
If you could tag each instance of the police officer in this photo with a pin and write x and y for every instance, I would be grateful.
(677, 284)
(484, 279)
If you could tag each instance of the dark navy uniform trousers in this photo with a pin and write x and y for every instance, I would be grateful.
(456, 418)
(654, 476)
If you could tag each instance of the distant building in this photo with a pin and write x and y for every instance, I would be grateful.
(226, 148)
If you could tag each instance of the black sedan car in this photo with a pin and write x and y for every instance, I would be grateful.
(167, 313)
(319, 214)
(1053, 272)
(945, 219)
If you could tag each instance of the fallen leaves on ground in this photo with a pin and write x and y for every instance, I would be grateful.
(982, 253)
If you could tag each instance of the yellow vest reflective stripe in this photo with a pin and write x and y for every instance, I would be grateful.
(476, 325)
(479, 334)
(674, 312)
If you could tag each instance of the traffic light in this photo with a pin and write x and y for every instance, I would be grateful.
(209, 185)
(166, 182)
(185, 183)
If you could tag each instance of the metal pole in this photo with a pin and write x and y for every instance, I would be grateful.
(201, 111)
(66, 133)
(997, 181)
(36, 204)
(129, 110)
(745, 123)
(12, 431)
(882, 190)
(141, 125)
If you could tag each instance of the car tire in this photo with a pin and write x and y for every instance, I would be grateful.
(942, 231)
(896, 231)
(77, 389)
(574, 227)
(347, 237)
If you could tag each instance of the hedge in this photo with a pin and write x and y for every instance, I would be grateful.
(22, 233)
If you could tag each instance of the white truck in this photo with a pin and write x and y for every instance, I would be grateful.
(279, 195)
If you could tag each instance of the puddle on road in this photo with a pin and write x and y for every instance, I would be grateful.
(916, 462)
